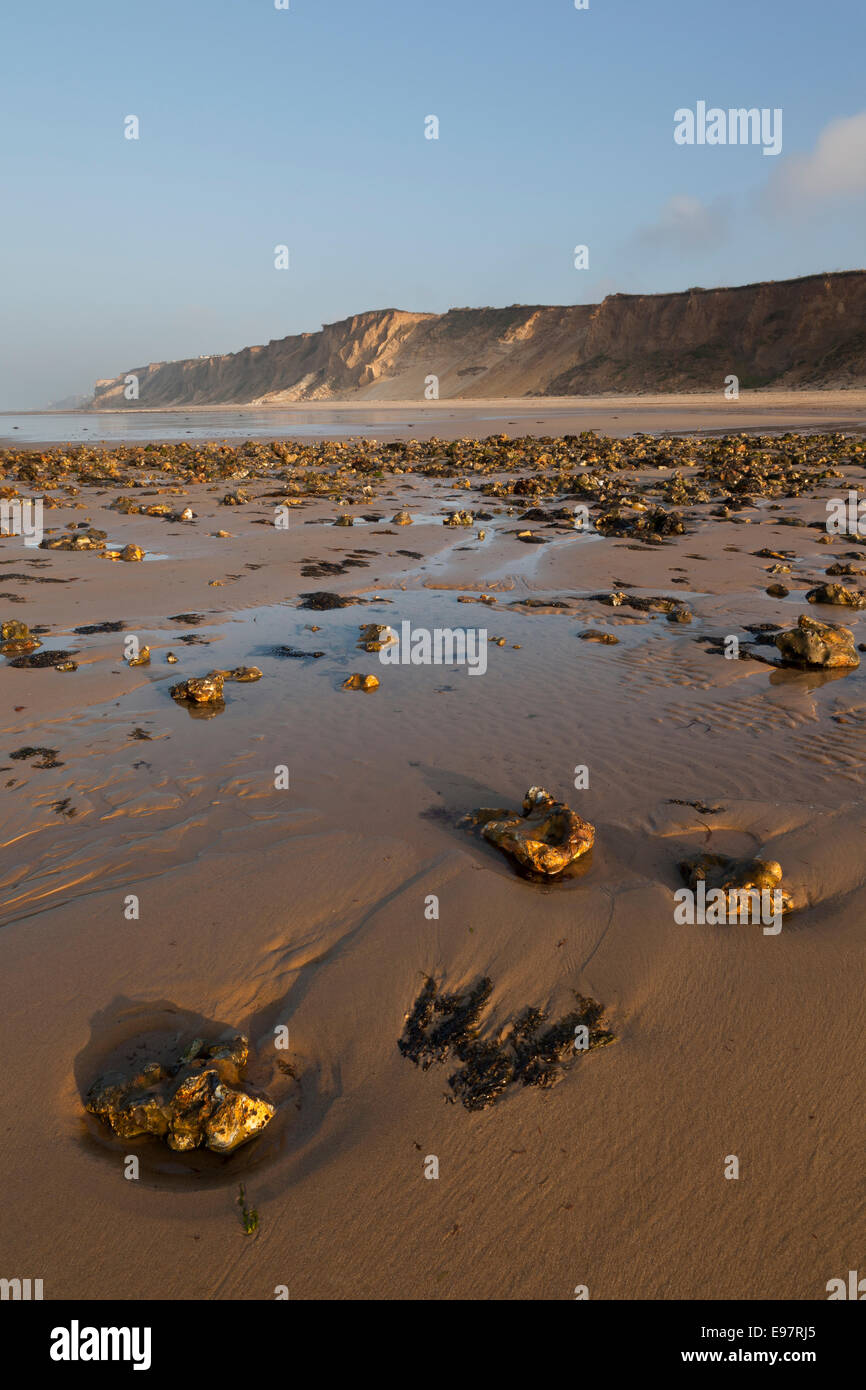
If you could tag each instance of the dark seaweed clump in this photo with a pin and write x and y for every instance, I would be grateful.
(90, 628)
(47, 756)
(39, 659)
(442, 1024)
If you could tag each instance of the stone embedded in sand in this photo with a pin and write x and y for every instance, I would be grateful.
(544, 839)
(847, 568)
(143, 658)
(679, 614)
(238, 1117)
(777, 591)
(402, 519)
(171, 658)
(837, 594)
(200, 690)
(356, 682)
(244, 673)
(736, 877)
(87, 539)
(594, 634)
(459, 519)
(132, 552)
(650, 525)
(234, 499)
(814, 644)
(345, 520)
(375, 636)
(19, 646)
(197, 1101)
(14, 631)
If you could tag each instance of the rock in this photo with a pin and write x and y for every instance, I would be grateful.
(200, 690)
(375, 636)
(847, 568)
(345, 520)
(594, 634)
(459, 519)
(234, 499)
(679, 614)
(244, 674)
(88, 539)
(356, 682)
(837, 594)
(814, 644)
(777, 591)
(132, 552)
(143, 658)
(402, 519)
(544, 839)
(238, 1118)
(196, 1101)
(735, 876)
(187, 514)
(646, 526)
(171, 658)
(13, 631)
(19, 646)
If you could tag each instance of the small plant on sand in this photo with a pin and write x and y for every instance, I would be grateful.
(249, 1215)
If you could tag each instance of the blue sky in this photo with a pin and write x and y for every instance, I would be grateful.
(305, 127)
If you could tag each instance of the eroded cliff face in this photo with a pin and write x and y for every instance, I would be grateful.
(786, 334)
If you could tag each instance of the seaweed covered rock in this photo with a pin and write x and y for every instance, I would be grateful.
(18, 640)
(86, 539)
(544, 838)
(737, 879)
(359, 682)
(814, 644)
(375, 636)
(648, 525)
(200, 690)
(837, 594)
(197, 1101)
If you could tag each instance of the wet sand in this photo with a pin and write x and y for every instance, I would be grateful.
(306, 906)
(450, 419)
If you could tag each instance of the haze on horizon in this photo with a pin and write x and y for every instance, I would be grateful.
(306, 128)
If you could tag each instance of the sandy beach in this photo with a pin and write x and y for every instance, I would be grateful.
(307, 906)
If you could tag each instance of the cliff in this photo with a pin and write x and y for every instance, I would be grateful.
(789, 334)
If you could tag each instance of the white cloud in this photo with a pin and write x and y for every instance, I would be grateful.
(686, 224)
(835, 169)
